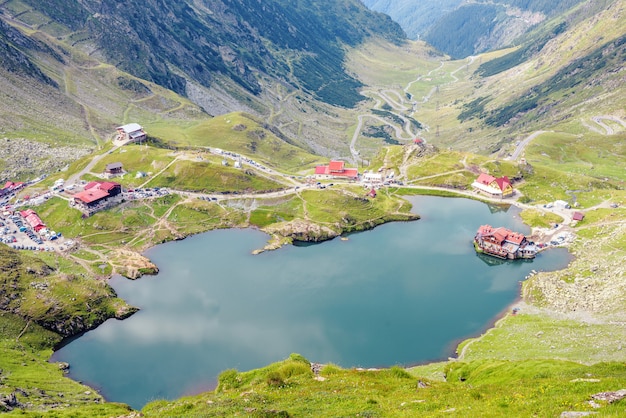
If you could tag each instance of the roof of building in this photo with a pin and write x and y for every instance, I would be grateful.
(102, 185)
(91, 185)
(108, 185)
(501, 234)
(348, 172)
(11, 185)
(344, 172)
(26, 212)
(321, 169)
(91, 195)
(129, 128)
(34, 221)
(336, 165)
(114, 166)
(485, 179)
(578, 216)
(136, 134)
(515, 237)
(503, 182)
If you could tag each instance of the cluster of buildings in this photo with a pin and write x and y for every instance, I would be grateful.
(11, 187)
(503, 243)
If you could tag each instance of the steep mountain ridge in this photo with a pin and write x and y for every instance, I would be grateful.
(170, 42)
(282, 61)
(572, 61)
(463, 28)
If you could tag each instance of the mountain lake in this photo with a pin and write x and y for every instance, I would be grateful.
(401, 294)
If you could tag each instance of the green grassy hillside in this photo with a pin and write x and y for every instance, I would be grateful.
(478, 388)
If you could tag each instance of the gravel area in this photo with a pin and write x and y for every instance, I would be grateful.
(23, 158)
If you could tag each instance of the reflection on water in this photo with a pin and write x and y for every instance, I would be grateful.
(495, 261)
(399, 294)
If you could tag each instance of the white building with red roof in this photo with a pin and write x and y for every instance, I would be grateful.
(493, 186)
(337, 169)
(33, 220)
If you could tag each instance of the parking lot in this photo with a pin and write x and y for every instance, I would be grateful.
(18, 235)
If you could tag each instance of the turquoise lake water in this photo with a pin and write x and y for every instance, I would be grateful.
(401, 294)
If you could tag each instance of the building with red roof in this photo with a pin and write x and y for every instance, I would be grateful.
(493, 186)
(578, 216)
(96, 192)
(337, 169)
(503, 243)
(33, 219)
(10, 186)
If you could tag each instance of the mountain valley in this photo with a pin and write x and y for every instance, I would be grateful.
(241, 102)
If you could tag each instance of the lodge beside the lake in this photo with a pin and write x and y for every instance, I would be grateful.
(493, 186)
(503, 243)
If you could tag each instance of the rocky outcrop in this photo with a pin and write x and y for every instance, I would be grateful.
(9, 403)
(595, 282)
(23, 157)
(302, 230)
(131, 264)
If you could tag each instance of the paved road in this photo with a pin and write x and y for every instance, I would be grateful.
(609, 130)
(520, 147)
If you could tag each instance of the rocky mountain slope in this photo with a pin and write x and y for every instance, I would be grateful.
(73, 70)
(462, 28)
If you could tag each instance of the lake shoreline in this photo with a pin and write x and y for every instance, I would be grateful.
(489, 325)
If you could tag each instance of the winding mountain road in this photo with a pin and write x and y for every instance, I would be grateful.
(522, 145)
(609, 130)
(398, 104)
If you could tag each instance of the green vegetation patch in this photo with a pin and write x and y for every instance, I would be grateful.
(439, 163)
(242, 134)
(589, 155)
(478, 388)
(539, 218)
(283, 211)
(136, 158)
(210, 178)
(538, 336)
(351, 211)
(547, 184)
(37, 384)
(200, 216)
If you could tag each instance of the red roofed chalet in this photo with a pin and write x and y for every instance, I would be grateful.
(504, 243)
(97, 191)
(337, 169)
(493, 186)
